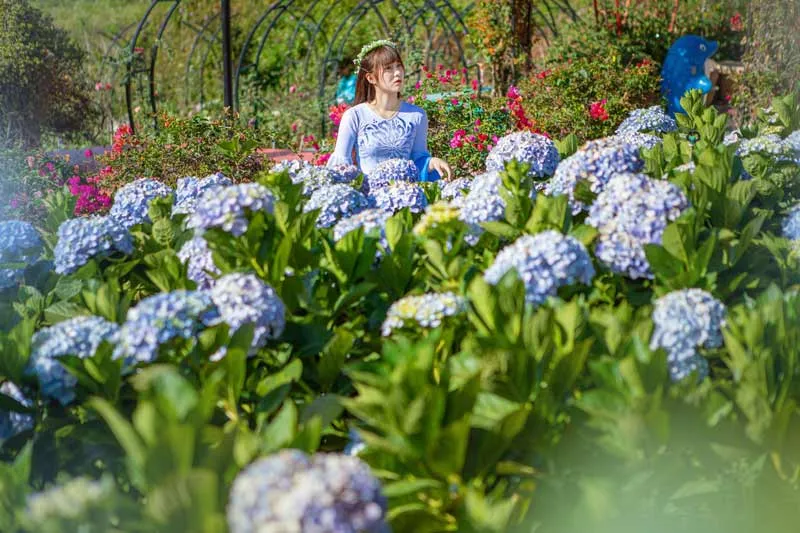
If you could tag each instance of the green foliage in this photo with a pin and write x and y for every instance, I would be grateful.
(42, 89)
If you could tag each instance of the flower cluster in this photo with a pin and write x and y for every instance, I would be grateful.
(531, 148)
(638, 139)
(517, 110)
(77, 505)
(227, 207)
(633, 210)
(769, 144)
(290, 491)
(335, 202)
(290, 166)
(544, 262)
(19, 243)
(456, 189)
(12, 423)
(791, 224)
(438, 216)
(686, 320)
(90, 199)
(131, 201)
(424, 311)
(399, 195)
(81, 239)
(80, 337)
(598, 111)
(159, 318)
(245, 299)
(596, 162)
(200, 264)
(191, 188)
(648, 119)
(390, 170)
(482, 203)
(369, 219)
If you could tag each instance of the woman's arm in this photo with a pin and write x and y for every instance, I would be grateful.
(345, 140)
(419, 151)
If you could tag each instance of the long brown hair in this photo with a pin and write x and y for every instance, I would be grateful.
(374, 62)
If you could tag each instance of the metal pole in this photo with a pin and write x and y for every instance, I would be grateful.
(227, 63)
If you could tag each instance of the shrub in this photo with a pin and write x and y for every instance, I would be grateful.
(42, 89)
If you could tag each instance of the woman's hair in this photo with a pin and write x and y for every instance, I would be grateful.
(374, 62)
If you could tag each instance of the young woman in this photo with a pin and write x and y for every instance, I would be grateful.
(380, 125)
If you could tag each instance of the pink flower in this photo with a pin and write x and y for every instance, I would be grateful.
(474, 85)
(14, 203)
(597, 110)
(292, 89)
(88, 153)
(98, 86)
(418, 84)
(411, 99)
(454, 101)
(513, 92)
(108, 86)
(477, 122)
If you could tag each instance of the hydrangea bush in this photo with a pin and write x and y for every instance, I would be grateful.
(132, 200)
(191, 188)
(83, 239)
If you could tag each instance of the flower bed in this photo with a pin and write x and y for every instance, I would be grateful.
(605, 332)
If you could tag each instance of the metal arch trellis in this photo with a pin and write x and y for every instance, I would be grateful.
(316, 44)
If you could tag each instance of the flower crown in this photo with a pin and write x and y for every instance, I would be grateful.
(369, 48)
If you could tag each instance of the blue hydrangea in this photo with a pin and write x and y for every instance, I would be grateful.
(345, 173)
(425, 311)
(596, 162)
(769, 145)
(388, 171)
(633, 210)
(793, 140)
(456, 190)
(19, 243)
(131, 201)
(372, 220)
(314, 177)
(399, 195)
(12, 423)
(482, 203)
(79, 336)
(544, 262)
(685, 321)
(536, 150)
(648, 119)
(227, 207)
(81, 239)
(245, 299)
(291, 167)
(160, 318)
(638, 139)
(355, 444)
(335, 202)
(191, 188)
(289, 491)
(196, 255)
(791, 223)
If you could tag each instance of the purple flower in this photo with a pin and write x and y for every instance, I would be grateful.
(536, 150)
(335, 202)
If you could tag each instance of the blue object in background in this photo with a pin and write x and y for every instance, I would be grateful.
(684, 69)
(346, 89)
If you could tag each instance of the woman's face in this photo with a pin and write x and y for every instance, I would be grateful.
(390, 79)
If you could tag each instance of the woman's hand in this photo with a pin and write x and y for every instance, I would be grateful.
(440, 166)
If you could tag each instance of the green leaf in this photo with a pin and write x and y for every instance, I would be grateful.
(282, 430)
(60, 311)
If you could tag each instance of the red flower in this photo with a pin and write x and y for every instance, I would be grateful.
(597, 110)
(513, 92)
(736, 22)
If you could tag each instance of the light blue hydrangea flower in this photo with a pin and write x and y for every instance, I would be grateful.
(345, 173)
(638, 139)
(456, 190)
(372, 220)
(769, 144)
(793, 140)
(536, 150)
(425, 311)
(131, 201)
(315, 177)
(335, 202)
(289, 491)
(291, 167)
(12, 423)
(191, 188)
(791, 223)
(685, 321)
(732, 137)
(196, 254)
(482, 203)
(79, 336)
(399, 195)
(544, 262)
(355, 444)
(245, 299)
(596, 162)
(227, 207)
(73, 506)
(19, 243)
(648, 119)
(81, 239)
(388, 171)
(633, 210)
(160, 318)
